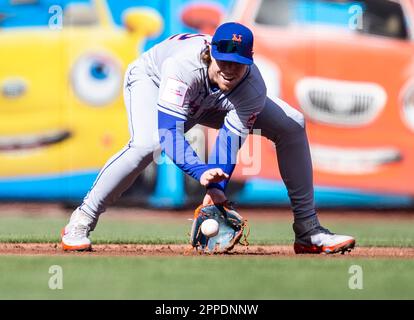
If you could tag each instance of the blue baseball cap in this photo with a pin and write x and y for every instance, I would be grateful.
(233, 42)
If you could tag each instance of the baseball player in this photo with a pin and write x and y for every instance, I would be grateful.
(192, 79)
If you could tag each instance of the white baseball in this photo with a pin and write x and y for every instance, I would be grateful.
(210, 228)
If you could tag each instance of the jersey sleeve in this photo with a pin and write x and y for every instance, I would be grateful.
(174, 90)
(224, 154)
(173, 102)
(241, 119)
(237, 125)
(177, 148)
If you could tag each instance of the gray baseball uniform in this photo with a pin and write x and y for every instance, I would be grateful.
(172, 79)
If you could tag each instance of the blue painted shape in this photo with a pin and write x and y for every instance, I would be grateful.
(98, 71)
(322, 12)
(339, 197)
(273, 192)
(117, 8)
(32, 14)
(37, 14)
(69, 186)
(169, 187)
(169, 10)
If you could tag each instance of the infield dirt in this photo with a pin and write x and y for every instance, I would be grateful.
(146, 215)
(185, 250)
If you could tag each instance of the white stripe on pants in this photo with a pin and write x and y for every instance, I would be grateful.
(121, 170)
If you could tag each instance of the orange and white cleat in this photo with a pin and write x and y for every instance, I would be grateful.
(75, 235)
(321, 240)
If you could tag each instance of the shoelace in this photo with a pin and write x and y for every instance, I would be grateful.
(79, 231)
(324, 230)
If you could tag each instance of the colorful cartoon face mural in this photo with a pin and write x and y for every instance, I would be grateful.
(62, 111)
(349, 67)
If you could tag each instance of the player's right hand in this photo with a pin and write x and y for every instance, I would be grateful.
(213, 176)
(214, 196)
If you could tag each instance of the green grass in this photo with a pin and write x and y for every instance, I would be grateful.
(199, 277)
(46, 229)
(204, 277)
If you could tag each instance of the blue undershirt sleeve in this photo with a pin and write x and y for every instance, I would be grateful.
(224, 154)
(177, 148)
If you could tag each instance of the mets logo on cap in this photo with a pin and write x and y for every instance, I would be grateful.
(237, 38)
(233, 42)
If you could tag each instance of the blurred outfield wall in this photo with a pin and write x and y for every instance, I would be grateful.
(62, 113)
